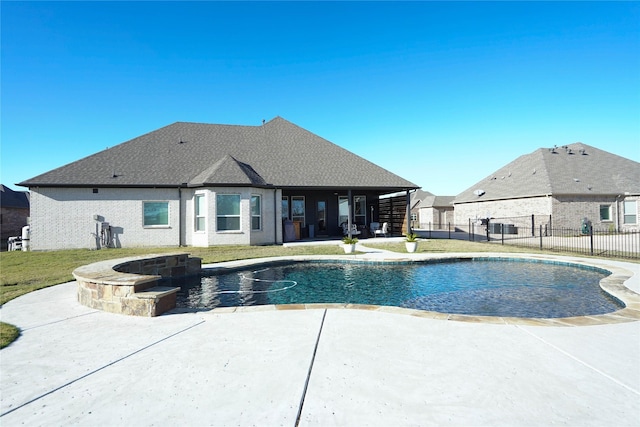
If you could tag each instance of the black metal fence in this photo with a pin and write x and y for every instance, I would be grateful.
(541, 235)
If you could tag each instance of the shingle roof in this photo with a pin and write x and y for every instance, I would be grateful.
(574, 169)
(13, 199)
(278, 153)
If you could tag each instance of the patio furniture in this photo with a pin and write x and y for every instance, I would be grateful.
(384, 230)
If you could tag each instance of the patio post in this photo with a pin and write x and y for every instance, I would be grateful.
(408, 212)
(349, 207)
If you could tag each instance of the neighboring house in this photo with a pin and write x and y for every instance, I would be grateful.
(560, 187)
(435, 212)
(14, 212)
(416, 202)
(204, 184)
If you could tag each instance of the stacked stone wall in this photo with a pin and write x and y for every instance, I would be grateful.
(131, 285)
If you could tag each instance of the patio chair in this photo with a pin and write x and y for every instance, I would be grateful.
(373, 227)
(384, 230)
(354, 229)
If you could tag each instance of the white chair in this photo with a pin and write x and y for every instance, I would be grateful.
(373, 227)
(354, 229)
(384, 230)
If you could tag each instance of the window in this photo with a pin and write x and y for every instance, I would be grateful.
(156, 214)
(630, 211)
(343, 209)
(228, 212)
(285, 207)
(297, 209)
(256, 213)
(605, 212)
(359, 209)
(200, 212)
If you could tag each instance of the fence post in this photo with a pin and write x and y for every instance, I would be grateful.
(470, 230)
(540, 236)
(591, 238)
(488, 238)
(502, 232)
(533, 225)
(449, 227)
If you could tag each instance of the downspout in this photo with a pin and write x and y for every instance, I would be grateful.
(408, 212)
(275, 216)
(181, 217)
(618, 212)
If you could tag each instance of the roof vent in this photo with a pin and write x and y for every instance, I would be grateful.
(479, 192)
(583, 151)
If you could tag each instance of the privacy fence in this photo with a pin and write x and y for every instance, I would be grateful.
(538, 232)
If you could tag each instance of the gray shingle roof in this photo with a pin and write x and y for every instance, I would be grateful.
(13, 199)
(574, 169)
(277, 153)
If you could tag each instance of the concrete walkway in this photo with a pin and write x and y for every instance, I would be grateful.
(267, 366)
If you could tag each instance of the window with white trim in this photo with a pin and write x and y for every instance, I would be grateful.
(359, 209)
(228, 212)
(256, 212)
(200, 210)
(630, 212)
(155, 214)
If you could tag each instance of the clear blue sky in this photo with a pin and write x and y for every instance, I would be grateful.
(442, 94)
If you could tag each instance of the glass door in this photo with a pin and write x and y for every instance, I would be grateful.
(321, 217)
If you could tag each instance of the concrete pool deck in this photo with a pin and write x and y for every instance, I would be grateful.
(322, 366)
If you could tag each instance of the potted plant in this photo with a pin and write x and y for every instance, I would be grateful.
(411, 242)
(349, 244)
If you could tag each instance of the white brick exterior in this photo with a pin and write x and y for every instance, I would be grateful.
(271, 231)
(63, 218)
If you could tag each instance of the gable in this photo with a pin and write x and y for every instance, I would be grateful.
(228, 171)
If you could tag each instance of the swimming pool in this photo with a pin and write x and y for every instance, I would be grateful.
(481, 287)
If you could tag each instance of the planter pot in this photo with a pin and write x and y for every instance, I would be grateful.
(411, 246)
(349, 248)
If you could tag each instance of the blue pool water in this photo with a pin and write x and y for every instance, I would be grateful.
(473, 287)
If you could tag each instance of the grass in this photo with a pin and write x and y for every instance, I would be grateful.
(8, 334)
(448, 245)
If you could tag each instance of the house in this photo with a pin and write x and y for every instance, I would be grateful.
(417, 198)
(201, 185)
(558, 187)
(432, 212)
(14, 212)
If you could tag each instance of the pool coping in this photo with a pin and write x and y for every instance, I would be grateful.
(616, 284)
